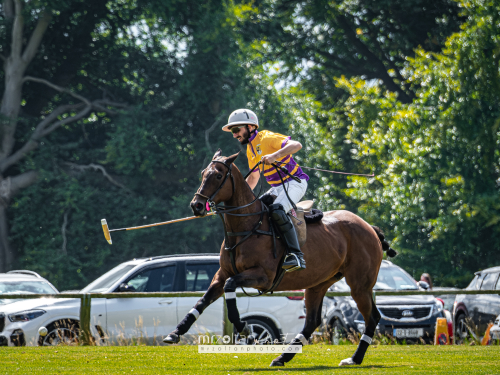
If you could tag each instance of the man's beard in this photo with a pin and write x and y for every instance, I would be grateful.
(246, 137)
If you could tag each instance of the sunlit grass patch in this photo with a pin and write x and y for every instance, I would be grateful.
(315, 359)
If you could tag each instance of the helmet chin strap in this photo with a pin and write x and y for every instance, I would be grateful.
(250, 133)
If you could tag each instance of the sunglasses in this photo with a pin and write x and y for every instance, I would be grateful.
(236, 129)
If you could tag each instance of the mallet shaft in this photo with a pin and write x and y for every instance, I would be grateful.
(162, 223)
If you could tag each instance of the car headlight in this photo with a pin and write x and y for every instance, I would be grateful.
(26, 316)
(438, 306)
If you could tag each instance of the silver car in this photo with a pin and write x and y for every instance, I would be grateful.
(410, 317)
(121, 320)
(20, 282)
(23, 282)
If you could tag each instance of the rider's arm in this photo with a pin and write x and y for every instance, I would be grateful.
(290, 148)
(253, 179)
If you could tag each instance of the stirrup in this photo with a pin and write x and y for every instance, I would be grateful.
(294, 268)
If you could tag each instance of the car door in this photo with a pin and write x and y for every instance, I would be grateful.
(146, 319)
(472, 301)
(489, 304)
(198, 276)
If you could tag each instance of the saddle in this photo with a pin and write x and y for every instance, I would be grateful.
(305, 215)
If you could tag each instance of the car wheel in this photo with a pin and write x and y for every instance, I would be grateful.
(461, 327)
(262, 332)
(61, 332)
(341, 329)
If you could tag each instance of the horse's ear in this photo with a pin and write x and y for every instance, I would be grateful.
(232, 158)
(217, 154)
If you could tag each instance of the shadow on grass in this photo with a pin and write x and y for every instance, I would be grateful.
(317, 368)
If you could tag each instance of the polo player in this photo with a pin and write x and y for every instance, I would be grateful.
(269, 148)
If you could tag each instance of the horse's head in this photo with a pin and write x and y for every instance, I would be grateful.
(217, 184)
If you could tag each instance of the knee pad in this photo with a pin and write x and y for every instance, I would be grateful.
(279, 216)
(276, 207)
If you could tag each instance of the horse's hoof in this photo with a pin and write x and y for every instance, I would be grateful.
(347, 362)
(250, 340)
(276, 364)
(172, 338)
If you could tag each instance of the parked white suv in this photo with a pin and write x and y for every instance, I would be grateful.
(20, 282)
(149, 319)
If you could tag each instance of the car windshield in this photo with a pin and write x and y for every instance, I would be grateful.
(24, 287)
(472, 284)
(389, 278)
(394, 278)
(104, 282)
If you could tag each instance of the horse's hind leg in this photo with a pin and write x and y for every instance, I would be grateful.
(368, 309)
(314, 302)
(213, 293)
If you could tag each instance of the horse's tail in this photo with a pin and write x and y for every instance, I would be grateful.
(385, 245)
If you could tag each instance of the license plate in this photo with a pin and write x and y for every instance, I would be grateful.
(408, 332)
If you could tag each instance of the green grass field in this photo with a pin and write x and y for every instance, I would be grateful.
(315, 359)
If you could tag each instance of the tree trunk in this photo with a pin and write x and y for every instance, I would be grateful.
(6, 252)
(10, 107)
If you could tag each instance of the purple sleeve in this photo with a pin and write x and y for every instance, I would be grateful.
(285, 141)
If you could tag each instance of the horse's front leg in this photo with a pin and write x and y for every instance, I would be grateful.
(251, 278)
(213, 293)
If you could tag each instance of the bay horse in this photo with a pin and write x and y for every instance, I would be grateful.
(341, 245)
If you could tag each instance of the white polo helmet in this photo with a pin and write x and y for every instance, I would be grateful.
(241, 117)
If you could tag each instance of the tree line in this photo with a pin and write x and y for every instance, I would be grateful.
(112, 109)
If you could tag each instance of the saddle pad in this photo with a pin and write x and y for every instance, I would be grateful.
(314, 216)
(305, 205)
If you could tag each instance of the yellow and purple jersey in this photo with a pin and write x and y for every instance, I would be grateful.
(266, 142)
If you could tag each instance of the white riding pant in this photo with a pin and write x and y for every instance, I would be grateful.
(295, 190)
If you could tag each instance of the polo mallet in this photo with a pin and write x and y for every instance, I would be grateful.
(107, 231)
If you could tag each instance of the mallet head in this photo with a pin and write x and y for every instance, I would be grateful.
(105, 229)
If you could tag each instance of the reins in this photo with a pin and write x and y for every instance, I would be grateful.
(336, 172)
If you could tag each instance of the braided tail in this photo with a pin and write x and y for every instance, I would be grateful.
(385, 245)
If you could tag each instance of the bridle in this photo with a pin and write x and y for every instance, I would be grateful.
(223, 209)
(229, 173)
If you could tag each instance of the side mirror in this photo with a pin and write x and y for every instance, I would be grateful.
(126, 288)
(423, 285)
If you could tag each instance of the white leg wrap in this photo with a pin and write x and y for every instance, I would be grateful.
(230, 295)
(302, 339)
(194, 312)
(366, 338)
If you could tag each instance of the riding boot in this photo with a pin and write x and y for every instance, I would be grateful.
(295, 259)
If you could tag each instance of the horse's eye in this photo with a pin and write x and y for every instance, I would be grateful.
(219, 176)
